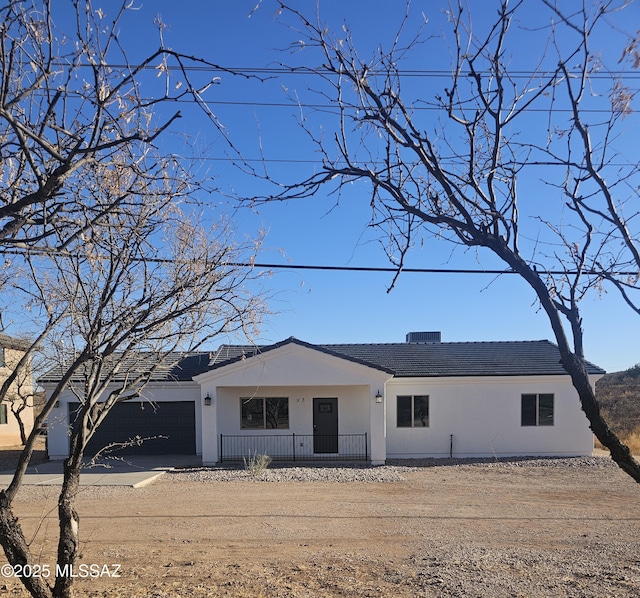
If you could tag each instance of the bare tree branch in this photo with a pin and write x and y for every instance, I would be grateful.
(458, 178)
(101, 234)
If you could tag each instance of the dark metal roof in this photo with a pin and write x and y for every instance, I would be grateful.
(405, 360)
(175, 367)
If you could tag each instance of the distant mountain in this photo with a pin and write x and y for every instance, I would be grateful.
(619, 397)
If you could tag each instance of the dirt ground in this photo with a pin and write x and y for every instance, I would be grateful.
(468, 530)
(9, 455)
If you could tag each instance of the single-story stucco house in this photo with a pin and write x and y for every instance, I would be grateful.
(300, 401)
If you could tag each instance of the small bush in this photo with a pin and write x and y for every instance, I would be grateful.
(256, 463)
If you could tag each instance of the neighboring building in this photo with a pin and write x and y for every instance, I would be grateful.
(295, 400)
(19, 398)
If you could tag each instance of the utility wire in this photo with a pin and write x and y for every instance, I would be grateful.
(305, 70)
(335, 108)
(242, 159)
(328, 268)
(422, 270)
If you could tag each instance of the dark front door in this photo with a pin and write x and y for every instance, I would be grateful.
(325, 425)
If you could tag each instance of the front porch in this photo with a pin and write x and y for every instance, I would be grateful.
(293, 402)
(295, 447)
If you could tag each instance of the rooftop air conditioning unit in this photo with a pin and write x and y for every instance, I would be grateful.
(424, 337)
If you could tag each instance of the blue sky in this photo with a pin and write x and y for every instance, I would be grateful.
(327, 307)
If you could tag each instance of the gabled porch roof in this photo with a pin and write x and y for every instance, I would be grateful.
(228, 354)
(291, 362)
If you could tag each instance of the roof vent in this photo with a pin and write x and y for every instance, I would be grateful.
(424, 337)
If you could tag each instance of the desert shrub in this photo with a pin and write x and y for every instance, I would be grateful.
(255, 464)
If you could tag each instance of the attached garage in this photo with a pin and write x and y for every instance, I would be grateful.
(167, 427)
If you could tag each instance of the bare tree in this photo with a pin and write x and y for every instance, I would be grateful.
(99, 229)
(21, 400)
(71, 99)
(147, 281)
(450, 165)
(600, 183)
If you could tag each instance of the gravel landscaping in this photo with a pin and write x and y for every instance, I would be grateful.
(433, 528)
(393, 471)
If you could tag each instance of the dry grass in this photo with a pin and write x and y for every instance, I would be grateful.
(631, 439)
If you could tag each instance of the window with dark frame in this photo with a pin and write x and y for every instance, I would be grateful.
(264, 413)
(537, 410)
(412, 411)
(3, 414)
(1, 356)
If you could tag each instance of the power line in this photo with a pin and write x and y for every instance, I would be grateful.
(336, 107)
(389, 269)
(331, 268)
(242, 159)
(305, 70)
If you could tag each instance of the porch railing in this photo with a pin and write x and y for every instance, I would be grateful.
(295, 447)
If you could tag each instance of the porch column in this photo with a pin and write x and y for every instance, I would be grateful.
(377, 429)
(210, 439)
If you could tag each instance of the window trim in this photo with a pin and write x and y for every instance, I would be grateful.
(413, 411)
(264, 425)
(4, 414)
(537, 410)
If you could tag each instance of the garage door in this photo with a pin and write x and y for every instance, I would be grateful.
(167, 428)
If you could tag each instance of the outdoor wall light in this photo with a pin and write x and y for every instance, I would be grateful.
(378, 397)
(207, 400)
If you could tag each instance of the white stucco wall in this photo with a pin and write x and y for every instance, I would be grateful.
(353, 411)
(300, 374)
(353, 407)
(58, 421)
(484, 416)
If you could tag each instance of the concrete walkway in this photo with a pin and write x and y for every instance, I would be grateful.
(129, 471)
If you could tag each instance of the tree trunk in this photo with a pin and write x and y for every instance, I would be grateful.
(16, 548)
(68, 543)
(620, 452)
(574, 364)
(23, 434)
